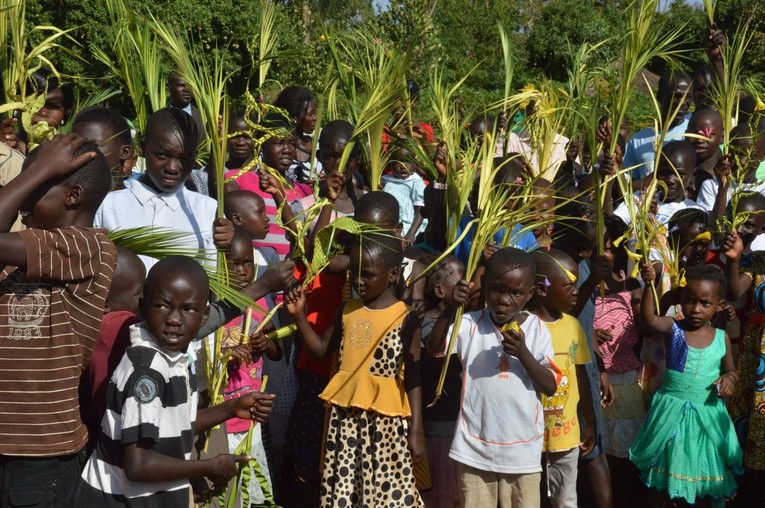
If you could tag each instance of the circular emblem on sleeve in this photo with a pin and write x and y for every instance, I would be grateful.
(145, 389)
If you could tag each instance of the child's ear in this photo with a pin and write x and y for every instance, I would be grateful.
(126, 152)
(438, 291)
(539, 288)
(74, 195)
(236, 219)
(394, 274)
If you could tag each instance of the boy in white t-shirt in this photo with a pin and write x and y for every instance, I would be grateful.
(507, 359)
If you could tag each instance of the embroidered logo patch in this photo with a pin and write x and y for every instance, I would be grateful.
(146, 389)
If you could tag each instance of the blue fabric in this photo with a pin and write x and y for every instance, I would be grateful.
(677, 349)
(639, 153)
(525, 241)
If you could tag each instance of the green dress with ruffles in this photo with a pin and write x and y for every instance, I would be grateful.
(688, 446)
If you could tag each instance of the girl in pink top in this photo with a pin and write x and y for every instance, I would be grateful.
(277, 152)
(618, 335)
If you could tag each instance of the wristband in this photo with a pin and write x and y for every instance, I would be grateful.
(439, 186)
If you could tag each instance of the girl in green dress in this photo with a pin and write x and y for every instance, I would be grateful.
(687, 448)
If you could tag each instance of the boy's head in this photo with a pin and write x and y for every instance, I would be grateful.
(71, 200)
(59, 98)
(180, 94)
(299, 103)
(174, 302)
(247, 210)
(375, 263)
(378, 208)
(544, 208)
(332, 140)
(241, 148)
(480, 126)
(127, 284)
(441, 280)
(702, 80)
(557, 274)
(752, 206)
(170, 149)
(111, 132)
(674, 92)
(615, 228)
(689, 235)
(707, 123)
(677, 163)
(240, 259)
(279, 150)
(508, 283)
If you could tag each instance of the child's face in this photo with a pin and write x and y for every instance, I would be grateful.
(445, 287)
(44, 208)
(694, 249)
(708, 126)
(52, 112)
(700, 301)
(240, 147)
(307, 123)
(676, 172)
(369, 279)
(545, 211)
(114, 153)
(507, 293)
(279, 153)
(240, 261)
(330, 153)
(252, 218)
(562, 293)
(400, 164)
(167, 164)
(174, 309)
(753, 226)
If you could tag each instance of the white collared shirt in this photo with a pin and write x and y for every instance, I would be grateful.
(182, 210)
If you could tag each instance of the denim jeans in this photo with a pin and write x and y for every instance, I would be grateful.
(40, 482)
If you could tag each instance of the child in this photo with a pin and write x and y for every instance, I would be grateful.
(707, 123)
(142, 456)
(111, 132)
(617, 334)
(300, 105)
(687, 447)
(677, 162)
(159, 199)
(55, 279)
(277, 152)
(375, 431)
(556, 294)
(745, 274)
(504, 368)
(245, 371)
(408, 188)
(440, 420)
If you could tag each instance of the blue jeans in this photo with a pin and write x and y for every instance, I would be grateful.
(40, 482)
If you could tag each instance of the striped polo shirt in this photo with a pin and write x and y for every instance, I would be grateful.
(152, 398)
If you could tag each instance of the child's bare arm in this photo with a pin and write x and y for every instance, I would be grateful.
(586, 403)
(318, 345)
(143, 465)
(413, 385)
(738, 283)
(437, 337)
(514, 343)
(254, 405)
(726, 383)
(660, 324)
(416, 223)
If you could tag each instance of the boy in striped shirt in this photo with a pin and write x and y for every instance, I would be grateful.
(147, 433)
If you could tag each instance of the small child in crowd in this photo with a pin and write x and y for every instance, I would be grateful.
(565, 438)
(143, 451)
(507, 358)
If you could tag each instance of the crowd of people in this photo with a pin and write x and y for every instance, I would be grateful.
(572, 375)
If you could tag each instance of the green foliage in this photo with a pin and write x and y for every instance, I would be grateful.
(568, 24)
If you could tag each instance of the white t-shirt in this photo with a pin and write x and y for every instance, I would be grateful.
(664, 213)
(710, 187)
(501, 424)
